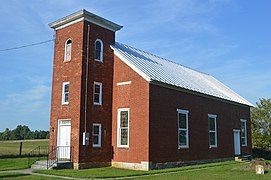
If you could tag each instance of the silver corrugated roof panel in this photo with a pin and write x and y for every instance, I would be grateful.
(154, 68)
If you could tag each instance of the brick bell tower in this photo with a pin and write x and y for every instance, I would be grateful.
(81, 104)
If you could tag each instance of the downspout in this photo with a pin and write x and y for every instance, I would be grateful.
(85, 133)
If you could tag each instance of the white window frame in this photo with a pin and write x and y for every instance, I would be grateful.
(66, 59)
(63, 93)
(99, 135)
(100, 93)
(119, 128)
(181, 111)
(101, 52)
(245, 137)
(215, 131)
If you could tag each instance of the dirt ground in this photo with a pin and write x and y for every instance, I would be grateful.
(252, 166)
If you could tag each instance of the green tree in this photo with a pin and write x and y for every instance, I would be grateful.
(23, 132)
(20, 132)
(43, 134)
(261, 124)
(6, 134)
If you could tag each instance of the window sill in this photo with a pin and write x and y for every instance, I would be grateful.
(97, 104)
(212, 147)
(96, 146)
(65, 104)
(183, 147)
(123, 147)
(101, 61)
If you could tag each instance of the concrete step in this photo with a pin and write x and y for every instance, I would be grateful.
(42, 165)
(39, 165)
(64, 165)
(243, 158)
(43, 162)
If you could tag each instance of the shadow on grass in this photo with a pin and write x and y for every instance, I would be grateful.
(12, 175)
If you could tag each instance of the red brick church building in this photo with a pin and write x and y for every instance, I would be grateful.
(115, 105)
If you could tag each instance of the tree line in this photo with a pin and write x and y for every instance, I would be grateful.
(22, 133)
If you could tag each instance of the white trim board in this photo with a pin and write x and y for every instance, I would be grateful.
(124, 83)
(84, 15)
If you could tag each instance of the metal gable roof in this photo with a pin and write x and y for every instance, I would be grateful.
(154, 68)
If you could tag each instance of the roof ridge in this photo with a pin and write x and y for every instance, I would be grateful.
(166, 59)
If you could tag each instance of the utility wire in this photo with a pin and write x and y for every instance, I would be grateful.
(33, 44)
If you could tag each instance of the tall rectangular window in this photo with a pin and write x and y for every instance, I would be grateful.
(244, 132)
(182, 128)
(212, 130)
(65, 92)
(97, 135)
(97, 93)
(123, 127)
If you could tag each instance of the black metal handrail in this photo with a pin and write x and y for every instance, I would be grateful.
(36, 154)
(59, 153)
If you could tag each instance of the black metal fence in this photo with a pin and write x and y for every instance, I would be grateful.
(22, 148)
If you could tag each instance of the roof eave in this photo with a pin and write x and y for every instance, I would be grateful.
(165, 85)
(87, 16)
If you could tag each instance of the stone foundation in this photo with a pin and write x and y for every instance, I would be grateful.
(146, 166)
(185, 163)
(134, 166)
(91, 165)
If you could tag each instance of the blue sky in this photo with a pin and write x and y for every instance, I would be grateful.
(229, 39)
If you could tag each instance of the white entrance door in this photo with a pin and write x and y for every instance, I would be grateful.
(237, 145)
(64, 139)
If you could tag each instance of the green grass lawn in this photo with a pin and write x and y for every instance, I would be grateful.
(224, 170)
(13, 147)
(22, 176)
(13, 163)
(227, 172)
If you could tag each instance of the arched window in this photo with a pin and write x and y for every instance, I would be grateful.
(99, 50)
(68, 50)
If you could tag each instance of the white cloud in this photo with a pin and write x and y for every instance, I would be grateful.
(25, 102)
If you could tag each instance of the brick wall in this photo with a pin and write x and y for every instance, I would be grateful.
(163, 126)
(67, 71)
(99, 72)
(136, 97)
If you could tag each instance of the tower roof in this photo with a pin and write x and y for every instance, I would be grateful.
(87, 16)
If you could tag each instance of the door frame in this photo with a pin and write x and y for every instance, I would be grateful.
(58, 132)
(236, 131)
